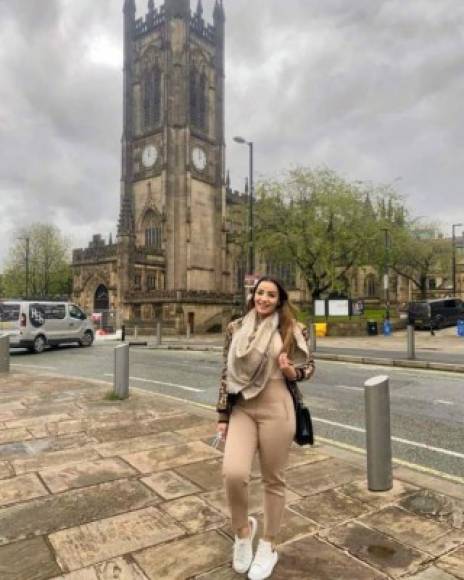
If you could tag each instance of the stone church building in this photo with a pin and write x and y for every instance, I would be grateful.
(172, 260)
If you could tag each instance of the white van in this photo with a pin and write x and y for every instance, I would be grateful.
(34, 325)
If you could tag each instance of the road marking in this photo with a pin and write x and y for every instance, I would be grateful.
(183, 387)
(35, 367)
(422, 468)
(349, 388)
(397, 439)
(385, 369)
(439, 401)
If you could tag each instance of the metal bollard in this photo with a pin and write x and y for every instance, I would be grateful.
(188, 331)
(123, 332)
(121, 371)
(136, 331)
(378, 436)
(158, 332)
(411, 342)
(4, 354)
(312, 337)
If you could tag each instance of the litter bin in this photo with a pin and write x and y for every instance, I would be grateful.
(387, 327)
(460, 327)
(321, 329)
(372, 328)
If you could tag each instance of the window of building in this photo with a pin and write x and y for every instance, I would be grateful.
(153, 237)
(432, 284)
(138, 281)
(370, 286)
(198, 99)
(151, 282)
(152, 98)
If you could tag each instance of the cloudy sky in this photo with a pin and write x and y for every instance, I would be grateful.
(370, 88)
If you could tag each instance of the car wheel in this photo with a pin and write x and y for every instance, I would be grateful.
(87, 339)
(39, 344)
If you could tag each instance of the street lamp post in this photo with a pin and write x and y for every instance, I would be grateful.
(251, 246)
(453, 227)
(27, 240)
(386, 281)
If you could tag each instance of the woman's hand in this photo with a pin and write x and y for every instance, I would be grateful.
(221, 430)
(286, 366)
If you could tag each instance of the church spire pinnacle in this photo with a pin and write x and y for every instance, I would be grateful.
(129, 7)
(200, 9)
(151, 6)
(218, 13)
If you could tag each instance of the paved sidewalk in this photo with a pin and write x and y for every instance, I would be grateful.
(93, 489)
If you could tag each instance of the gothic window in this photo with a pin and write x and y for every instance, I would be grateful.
(198, 99)
(151, 282)
(138, 282)
(152, 98)
(153, 230)
(284, 272)
(370, 286)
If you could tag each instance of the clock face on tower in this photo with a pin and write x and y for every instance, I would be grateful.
(149, 156)
(199, 158)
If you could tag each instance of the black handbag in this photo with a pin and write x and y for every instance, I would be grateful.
(304, 426)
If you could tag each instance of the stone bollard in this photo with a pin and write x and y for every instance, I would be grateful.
(121, 371)
(188, 331)
(136, 331)
(411, 342)
(378, 436)
(312, 337)
(4, 353)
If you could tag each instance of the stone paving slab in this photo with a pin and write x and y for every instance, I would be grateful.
(73, 508)
(122, 568)
(54, 458)
(170, 485)
(432, 573)
(5, 470)
(104, 539)
(206, 474)
(453, 563)
(31, 560)
(322, 475)
(85, 474)
(359, 490)
(408, 528)
(377, 549)
(22, 488)
(198, 554)
(194, 513)
(136, 444)
(10, 435)
(330, 508)
(170, 457)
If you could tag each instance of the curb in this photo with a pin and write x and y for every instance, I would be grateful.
(364, 360)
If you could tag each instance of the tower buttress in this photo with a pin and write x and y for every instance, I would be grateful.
(177, 8)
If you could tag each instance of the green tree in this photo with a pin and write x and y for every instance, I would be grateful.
(317, 221)
(48, 263)
(417, 259)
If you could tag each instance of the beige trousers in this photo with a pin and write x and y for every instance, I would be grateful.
(265, 424)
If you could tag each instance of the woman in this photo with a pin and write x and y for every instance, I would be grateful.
(262, 350)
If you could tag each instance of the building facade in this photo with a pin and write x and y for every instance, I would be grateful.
(171, 260)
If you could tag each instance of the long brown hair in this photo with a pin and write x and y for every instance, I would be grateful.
(286, 310)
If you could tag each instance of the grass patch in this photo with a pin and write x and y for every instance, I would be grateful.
(112, 396)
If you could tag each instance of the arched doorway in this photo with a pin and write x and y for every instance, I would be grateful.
(101, 299)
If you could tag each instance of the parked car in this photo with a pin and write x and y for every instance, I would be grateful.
(435, 313)
(34, 325)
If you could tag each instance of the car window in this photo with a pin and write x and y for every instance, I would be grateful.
(9, 312)
(75, 312)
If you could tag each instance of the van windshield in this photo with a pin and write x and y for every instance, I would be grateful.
(9, 312)
(419, 309)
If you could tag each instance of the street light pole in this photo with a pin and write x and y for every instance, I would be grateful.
(251, 245)
(453, 227)
(386, 281)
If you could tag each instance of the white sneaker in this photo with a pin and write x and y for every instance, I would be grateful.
(264, 562)
(243, 549)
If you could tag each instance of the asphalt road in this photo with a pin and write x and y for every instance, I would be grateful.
(427, 408)
(422, 354)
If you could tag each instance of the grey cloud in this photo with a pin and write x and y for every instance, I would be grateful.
(372, 89)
